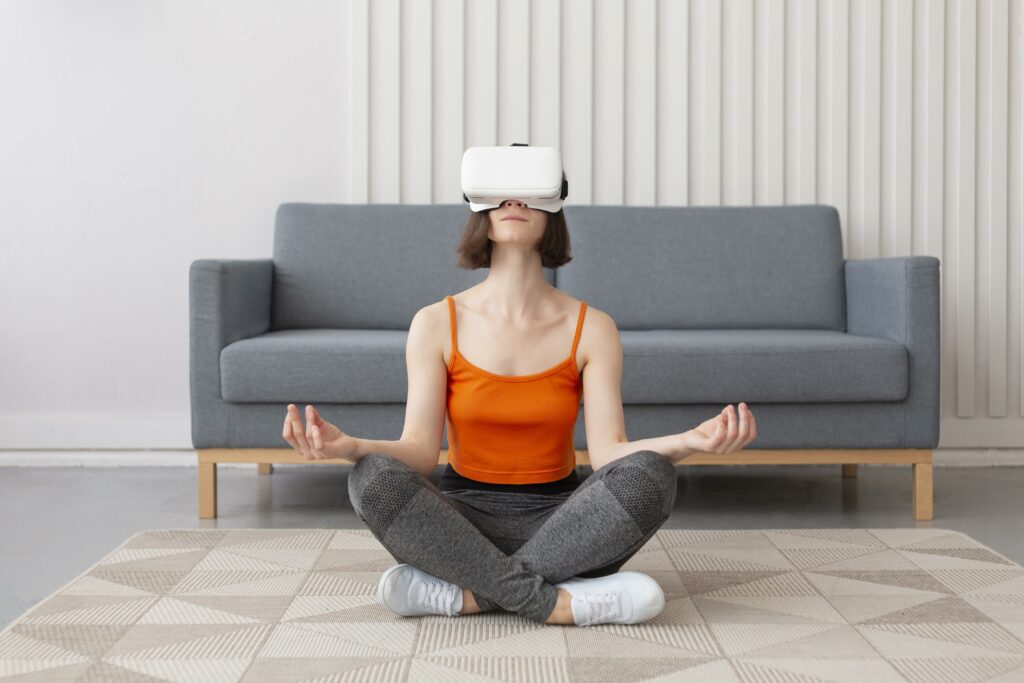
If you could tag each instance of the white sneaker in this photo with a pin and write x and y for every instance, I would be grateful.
(620, 598)
(411, 592)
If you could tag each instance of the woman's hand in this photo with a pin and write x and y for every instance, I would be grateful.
(724, 433)
(320, 439)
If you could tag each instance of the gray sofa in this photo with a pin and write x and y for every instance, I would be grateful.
(838, 359)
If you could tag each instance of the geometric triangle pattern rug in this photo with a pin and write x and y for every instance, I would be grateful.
(785, 605)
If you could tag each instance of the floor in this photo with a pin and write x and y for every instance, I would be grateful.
(60, 521)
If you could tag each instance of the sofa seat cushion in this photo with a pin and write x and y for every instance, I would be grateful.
(659, 366)
(760, 366)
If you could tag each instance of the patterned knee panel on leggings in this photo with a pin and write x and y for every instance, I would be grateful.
(645, 485)
(379, 486)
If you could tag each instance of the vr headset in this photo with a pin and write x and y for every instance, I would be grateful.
(490, 175)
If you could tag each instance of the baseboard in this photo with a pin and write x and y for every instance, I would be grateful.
(943, 457)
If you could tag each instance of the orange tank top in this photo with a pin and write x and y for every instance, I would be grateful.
(505, 429)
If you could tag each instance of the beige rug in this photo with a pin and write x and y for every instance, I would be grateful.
(299, 605)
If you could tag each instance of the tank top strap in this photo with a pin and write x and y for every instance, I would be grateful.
(451, 320)
(579, 327)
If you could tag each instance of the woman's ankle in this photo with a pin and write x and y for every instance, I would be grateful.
(562, 612)
(469, 604)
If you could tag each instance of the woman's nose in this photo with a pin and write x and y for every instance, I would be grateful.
(512, 201)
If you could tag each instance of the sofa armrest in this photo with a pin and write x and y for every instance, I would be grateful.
(228, 300)
(897, 298)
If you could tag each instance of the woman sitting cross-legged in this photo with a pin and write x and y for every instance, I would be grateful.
(510, 525)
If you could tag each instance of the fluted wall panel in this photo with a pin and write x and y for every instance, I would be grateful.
(906, 115)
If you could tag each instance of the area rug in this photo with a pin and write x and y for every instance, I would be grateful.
(299, 605)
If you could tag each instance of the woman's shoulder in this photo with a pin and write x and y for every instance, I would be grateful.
(436, 312)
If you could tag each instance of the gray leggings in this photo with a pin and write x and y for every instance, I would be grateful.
(510, 548)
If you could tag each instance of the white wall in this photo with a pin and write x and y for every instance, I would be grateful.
(136, 137)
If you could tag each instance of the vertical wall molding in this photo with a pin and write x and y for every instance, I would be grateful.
(907, 116)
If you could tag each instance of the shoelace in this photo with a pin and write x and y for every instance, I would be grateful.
(597, 606)
(437, 595)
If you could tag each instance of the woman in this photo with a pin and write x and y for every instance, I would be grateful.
(510, 525)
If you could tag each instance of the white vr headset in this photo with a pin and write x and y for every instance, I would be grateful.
(533, 175)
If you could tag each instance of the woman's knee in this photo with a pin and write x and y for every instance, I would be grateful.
(379, 485)
(364, 469)
(657, 464)
(645, 484)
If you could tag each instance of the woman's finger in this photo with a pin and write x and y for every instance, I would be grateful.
(318, 419)
(291, 438)
(312, 416)
(737, 428)
(730, 430)
(312, 433)
(742, 428)
(299, 431)
(286, 432)
(290, 433)
(318, 443)
(310, 421)
(720, 427)
(751, 425)
(734, 431)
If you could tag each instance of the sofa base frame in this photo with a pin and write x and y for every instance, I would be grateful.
(919, 458)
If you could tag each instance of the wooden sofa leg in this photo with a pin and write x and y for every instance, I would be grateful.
(850, 471)
(265, 468)
(207, 490)
(923, 491)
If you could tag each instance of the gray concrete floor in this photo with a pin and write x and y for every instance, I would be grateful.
(61, 521)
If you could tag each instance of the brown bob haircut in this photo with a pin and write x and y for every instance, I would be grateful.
(475, 246)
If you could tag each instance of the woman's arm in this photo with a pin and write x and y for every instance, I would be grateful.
(420, 443)
(727, 432)
(415, 455)
(671, 446)
(603, 413)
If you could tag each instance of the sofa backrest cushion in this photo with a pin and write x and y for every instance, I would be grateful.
(369, 266)
(695, 267)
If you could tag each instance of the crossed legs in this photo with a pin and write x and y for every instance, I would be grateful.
(605, 521)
